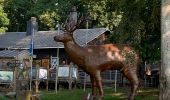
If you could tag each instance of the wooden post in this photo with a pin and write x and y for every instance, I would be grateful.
(37, 80)
(85, 76)
(14, 77)
(57, 67)
(70, 76)
(115, 80)
(47, 81)
(145, 76)
(165, 51)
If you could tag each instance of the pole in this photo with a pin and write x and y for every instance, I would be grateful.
(85, 81)
(57, 67)
(115, 80)
(33, 23)
(31, 74)
(145, 74)
(85, 75)
(37, 80)
(70, 75)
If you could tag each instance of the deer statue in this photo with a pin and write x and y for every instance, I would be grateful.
(95, 59)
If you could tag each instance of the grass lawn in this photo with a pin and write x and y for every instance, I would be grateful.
(121, 94)
(77, 94)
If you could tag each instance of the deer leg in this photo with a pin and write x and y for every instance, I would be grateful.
(131, 75)
(94, 87)
(99, 85)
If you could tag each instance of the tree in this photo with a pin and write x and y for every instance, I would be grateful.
(47, 12)
(140, 27)
(4, 21)
(134, 22)
(17, 11)
(165, 68)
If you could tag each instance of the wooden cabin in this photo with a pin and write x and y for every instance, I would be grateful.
(12, 62)
(45, 48)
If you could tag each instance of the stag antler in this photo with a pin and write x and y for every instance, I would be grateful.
(71, 26)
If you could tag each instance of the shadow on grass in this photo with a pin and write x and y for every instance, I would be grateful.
(121, 94)
(78, 94)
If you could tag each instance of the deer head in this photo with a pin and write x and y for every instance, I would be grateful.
(68, 30)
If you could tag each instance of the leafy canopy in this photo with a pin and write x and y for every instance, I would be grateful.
(135, 22)
(4, 21)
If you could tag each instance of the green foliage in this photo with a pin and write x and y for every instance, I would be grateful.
(4, 21)
(106, 14)
(17, 11)
(134, 22)
(140, 27)
(47, 12)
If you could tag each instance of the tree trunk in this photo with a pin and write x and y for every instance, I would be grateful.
(165, 52)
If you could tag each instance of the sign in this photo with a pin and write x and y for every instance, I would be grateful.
(13, 64)
(42, 73)
(6, 76)
(54, 62)
(64, 72)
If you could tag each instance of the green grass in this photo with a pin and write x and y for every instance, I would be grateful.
(2, 98)
(77, 94)
(121, 94)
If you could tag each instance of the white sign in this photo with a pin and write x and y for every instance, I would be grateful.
(42, 73)
(54, 62)
(6, 76)
(64, 72)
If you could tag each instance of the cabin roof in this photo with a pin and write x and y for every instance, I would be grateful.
(11, 53)
(44, 39)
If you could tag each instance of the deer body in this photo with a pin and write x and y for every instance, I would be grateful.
(95, 59)
(107, 57)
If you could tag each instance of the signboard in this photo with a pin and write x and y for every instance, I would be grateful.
(37, 63)
(64, 72)
(6, 76)
(54, 62)
(45, 63)
(4, 63)
(42, 73)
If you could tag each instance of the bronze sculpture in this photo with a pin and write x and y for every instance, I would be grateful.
(95, 59)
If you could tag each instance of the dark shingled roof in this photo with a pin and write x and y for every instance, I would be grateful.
(10, 38)
(11, 53)
(44, 39)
